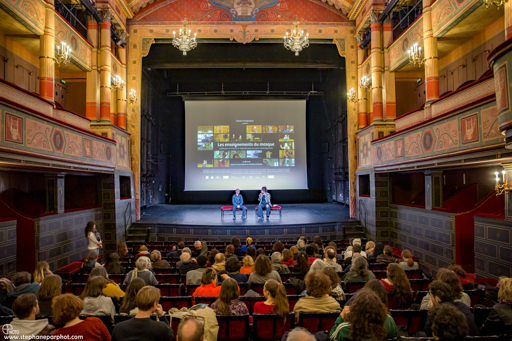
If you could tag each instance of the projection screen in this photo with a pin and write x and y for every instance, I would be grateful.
(245, 144)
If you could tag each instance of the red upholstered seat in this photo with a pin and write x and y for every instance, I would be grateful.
(271, 327)
(275, 207)
(226, 208)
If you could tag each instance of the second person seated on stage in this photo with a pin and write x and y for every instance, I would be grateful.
(238, 204)
(264, 199)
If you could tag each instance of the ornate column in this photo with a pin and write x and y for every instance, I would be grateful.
(363, 119)
(431, 59)
(376, 47)
(389, 77)
(47, 54)
(121, 95)
(105, 66)
(91, 101)
(113, 105)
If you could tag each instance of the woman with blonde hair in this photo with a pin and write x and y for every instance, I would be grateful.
(301, 245)
(141, 270)
(50, 288)
(294, 251)
(370, 246)
(248, 265)
(228, 302)
(408, 263)
(42, 270)
(499, 320)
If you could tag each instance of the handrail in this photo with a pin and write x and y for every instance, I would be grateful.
(129, 206)
(363, 215)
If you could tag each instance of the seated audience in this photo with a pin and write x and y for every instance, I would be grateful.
(370, 246)
(66, 310)
(448, 323)
(396, 281)
(316, 249)
(387, 257)
(440, 294)
(374, 285)
(220, 263)
(141, 270)
(318, 265)
(95, 301)
(377, 251)
(21, 282)
(211, 258)
(408, 263)
(198, 248)
(262, 271)
(339, 257)
(230, 252)
(187, 264)
(499, 320)
(276, 300)
(113, 265)
(25, 325)
(42, 270)
(129, 304)
(233, 270)
(208, 285)
(248, 242)
(260, 251)
(330, 259)
(194, 276)
(248, 265)
(336, 290)
(294, 251)
(185, 250)
(318, 287)
(236, 244)
(158, 262)
(449, 277)
(228, 302)
(122, 251)
(356, 249)
(318, 241)
(358, 271)
(287, 258)
(466, 284)
(302, 265)
(190, 329)
(50, 288)
(366, 319)
(299, 334)
(276, 263)
(176, 251)
(143, 251)
(310, 253)
(278, 247)
(91, 261)
(111, 289)
(141, 326)
(301, 244)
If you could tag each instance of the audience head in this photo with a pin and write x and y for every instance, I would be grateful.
(294, 251)
(251, 251)
(248, 261)
(187, 250)
(330, 253)
(89, 228)
(449, 277)
(356, 248)
(142, 263)
(209, 277)
(302, 263)
(219, 258)
(333, 276)
(378, 250)
(42, 269)
(155, 256)
(185, 258)
(316, 248)
(230, 249)
(190, 329)
(388, 250)
(439, 292)
(235, 242)
(300, 334)
(264, 189)
(92, 256)
(201, 261)
(277, 257)
(310, 250)
(198, 245)
(131, 292)
(143, 248)
(248, 241)
(301, 245)
(378, 288)
(122, 249)
(318, 265)
(278, 246)
(26, 307)
(181, 245)
(317, 240)
(94, 287)
(333, 245)
(228, 292)
(369, 246)
(448, 323)
(359, 265)
(51, 287)
(286, 254)
(277, 292)
(457, 269)
(233, 265)
(401, 285)
(318, 284)
(262, 266)
(505, 290)
(147, 298)
(367, 316)
(260, 251)
(407, 257)
(212, 254)
(99, 271)
(114, 262)
(66, 307)
(20, 278)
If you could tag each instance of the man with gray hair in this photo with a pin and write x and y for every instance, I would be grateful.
(300, 334)
(277, 265)
(190, 329)
(186, 264)
(198, 246)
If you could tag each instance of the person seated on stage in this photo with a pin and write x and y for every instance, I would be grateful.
(448, 323)
(276, 263)
(194, 276)
(318, 287)
(449, 277)
(187, 264)
(141, 270)
(396, 281)
(220, 263)
(355, 249)
(499, 320)
(158, 262)
(248, 242)
(230, 252)
(236, 244)
(466, 284)
(238, 204)
(233, 271)
(248, 265)
(228, 302)
(330, 259)
(208, 285)
(358, 270)
(408, 263)
(264, 199)
(176, 252)
(262, 271)
(185, 250)
(336, 290)
(388, 256)
(287, 258)
(211, 258)
(294, 251)
(310, 252)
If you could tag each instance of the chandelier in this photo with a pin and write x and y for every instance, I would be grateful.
(184, 42)
(365, 83)
(497, 3)
(351, 95)
(502, 185)
(415, 56)
(63, 53)
(296, 42)
(132, 96)
(117, 82)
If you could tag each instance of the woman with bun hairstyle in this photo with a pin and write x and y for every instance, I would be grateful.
(408, 263)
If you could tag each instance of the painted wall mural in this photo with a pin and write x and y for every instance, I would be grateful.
(447, 13)
(123, 149)
(29, 12)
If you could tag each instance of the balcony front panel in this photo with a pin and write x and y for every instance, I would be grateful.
(399, 49)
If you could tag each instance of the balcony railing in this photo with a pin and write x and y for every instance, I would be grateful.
(402, 14)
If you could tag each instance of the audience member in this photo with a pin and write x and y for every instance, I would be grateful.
(236, 244)
(211, 258)
(248, 242)
(358, 271)
(24, 325)
(374, 285)
(141, 326)
(448, 323)
(260, 251)
(370, 246)
(42, 270)
(228, 302)
(466, 284)
(310, 253)
(176, 251)
(339, 257)
(299, 334)
(251, 251)
(449, 277)
(377, 251)
(499, 320)
(302, 265)
(294, 251)
(50, 288)
(277, 265)
(194, 276)
(208, 285)
(143, 252)
(356, 249)
(158, 262)
(190, 329)
(185, 250)
(220, 263)
(316, 249)
(66, 310)
(91, 261)
(262, 271)
(387, 257)
(21, 282)
(366, 319)
(232, 269)
(318, 287)
(278, 247)
(336, 290)
(248, 265)
(318, 265)
(141, 270)
(396, 281)
(330, 259)
(187, 264)
(111, 289)
(408, 263)
(276, 300)
(122, 250)
(95, 301)
(113, 265)
(198, 248)
(287, 258)
(129, 304)
(301, 245)
(230, 251)
(318, 241)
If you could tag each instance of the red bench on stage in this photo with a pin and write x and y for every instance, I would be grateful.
(229, 208)
(274, 208)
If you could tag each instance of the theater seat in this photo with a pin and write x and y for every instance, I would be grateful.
(271, 327)
(481, 313)
(233, 328)
(258, 287)
(414, 320)
(315, 322)
(104, 318)
(205, 299)
(292, 300)
(167, 289)
(352, 287)
(175, 302)
(251, 301)
(476, 296)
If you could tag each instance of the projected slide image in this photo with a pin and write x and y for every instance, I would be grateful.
(236, 138)
(221, 154)
(271, 162)
(221, 129)
(221, 163)
(287, 162)
(253, 137)
(221, 138)
(287, 145)
(205, 164)
(287, 129)
(254, 154)
(205, 130)
(253, 129)
(205, 146)
(204, 137)
(238, 154)
(286, 138)
(286, 154)
(270, 129)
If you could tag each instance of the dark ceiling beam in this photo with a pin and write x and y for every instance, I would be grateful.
(238, 65)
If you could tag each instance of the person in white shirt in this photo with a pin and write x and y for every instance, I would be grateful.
(94, 244)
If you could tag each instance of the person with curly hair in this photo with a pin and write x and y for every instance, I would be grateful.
(358, 270)
(448, 323)
(278, 247)
(499, 320)
(466, 283)
(366, 319)
(318, 286)
(287, 258)
(397, 282)
(294, 251)
(449, 277)
(336, 290)
(302, 265)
